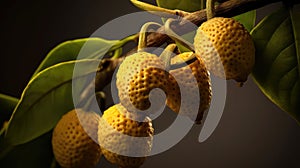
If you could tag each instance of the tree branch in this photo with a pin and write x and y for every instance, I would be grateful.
(226, 9)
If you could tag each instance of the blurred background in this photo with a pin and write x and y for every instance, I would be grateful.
(253, 132)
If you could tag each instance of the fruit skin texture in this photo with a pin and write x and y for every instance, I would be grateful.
(72, 146)
(137, 75)
(117, 132)
(224, 41)
(190, 74)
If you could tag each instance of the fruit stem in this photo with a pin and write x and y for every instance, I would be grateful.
(117, 53)
(175, 36)
(167, 54)
(210, 9)
(143, 35)
(163, 12)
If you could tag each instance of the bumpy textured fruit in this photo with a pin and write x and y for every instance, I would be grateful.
(196, 85)
(123, 140)
(137, 75)
(224, 42)
(73, 144)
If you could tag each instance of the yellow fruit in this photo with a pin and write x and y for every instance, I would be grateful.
(137, 75)
(224, 42)
(72, 145)
(118, 134)
(197, 88)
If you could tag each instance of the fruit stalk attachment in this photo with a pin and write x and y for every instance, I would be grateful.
(210, 9)
(142, 44)
(174, 36)
(166, 55)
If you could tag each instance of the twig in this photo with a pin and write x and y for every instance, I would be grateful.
(210, 9)
(103, 77)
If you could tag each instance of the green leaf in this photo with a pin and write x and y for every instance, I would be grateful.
(70, 50)
(7, 105)
(45, 99)
(189, 37)
(34, 154)
(277, 67)
(186, 5)
(247, 19)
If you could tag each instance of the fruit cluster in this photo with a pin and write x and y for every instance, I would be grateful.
(222, 47)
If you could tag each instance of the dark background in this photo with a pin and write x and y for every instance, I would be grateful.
(253, 132)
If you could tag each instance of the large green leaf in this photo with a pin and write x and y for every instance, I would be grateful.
(276, 71)
(7, 105)
(34, 154)
(45, 99)
(247, 19)
(69, 50)
(186, 5)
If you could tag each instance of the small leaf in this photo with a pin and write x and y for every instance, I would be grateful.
(45, 99)
(7, 105)
(277, 64)
(34, 154)
(189, 37)
(247, 19)
(70, 50)
(186, 5)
